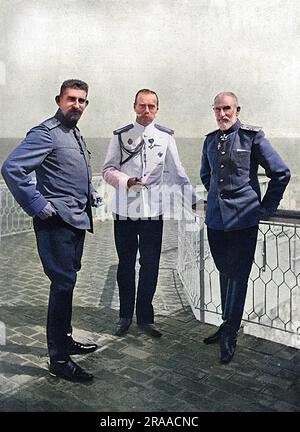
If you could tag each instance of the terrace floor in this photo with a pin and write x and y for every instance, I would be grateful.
(177, 373)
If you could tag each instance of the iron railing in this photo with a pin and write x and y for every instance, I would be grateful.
(273, 298)
(13, 219)
(272, 308)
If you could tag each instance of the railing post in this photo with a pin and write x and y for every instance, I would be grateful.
(264, 254)
(201, 274)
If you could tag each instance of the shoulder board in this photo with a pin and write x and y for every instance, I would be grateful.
(123, 129)
(210, 133)
(164, 129)
(51, 123)
(250, 127)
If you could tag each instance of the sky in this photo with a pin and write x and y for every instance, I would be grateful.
(186, 50)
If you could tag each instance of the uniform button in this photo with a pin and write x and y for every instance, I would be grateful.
(223, 152)
(221, 195)
(221, 180)
(222, 166)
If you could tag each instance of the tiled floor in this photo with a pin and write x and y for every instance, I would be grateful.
(135, 373)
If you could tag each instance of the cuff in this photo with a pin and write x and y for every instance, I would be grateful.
(36, 206)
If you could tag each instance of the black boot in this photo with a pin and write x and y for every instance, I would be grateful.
(81, 348)
(223, 280)
(69, 371)
(227, 343)
(123, 326)
(235, 301)
(233, 312)
(151, 330)
(214, 338)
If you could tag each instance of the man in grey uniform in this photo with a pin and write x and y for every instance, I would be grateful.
(60, 203)
(230, 159)
(141, 159)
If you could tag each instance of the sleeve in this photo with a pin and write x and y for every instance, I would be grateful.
(205, 172)
(111, 170)
(24, 159)
(177, 172)
(276, 170)
(92, 189)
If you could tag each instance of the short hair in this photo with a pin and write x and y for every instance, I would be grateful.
(227, 94)
(73, 83)
(146, 91)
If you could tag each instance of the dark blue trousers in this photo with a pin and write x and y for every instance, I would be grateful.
(131, 236)
(60, 248)
(233, 254)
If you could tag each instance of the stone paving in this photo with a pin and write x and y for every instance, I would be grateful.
(176, 373)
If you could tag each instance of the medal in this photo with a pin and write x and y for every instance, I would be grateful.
(223, 139)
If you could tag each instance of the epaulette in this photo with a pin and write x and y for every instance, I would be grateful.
(123, 129)
(51, 123)
(210, 133)
(250, 127)
(164, 129)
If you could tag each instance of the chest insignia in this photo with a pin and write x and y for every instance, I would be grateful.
(222, 142)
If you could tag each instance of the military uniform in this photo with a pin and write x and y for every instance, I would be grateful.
(60, 159)
(150, 154)
(228, 171)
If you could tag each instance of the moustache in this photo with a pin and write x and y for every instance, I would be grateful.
(74, 112)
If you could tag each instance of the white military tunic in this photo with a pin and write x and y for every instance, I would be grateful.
(149, 153)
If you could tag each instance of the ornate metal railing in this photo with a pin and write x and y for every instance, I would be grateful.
(14, 220)
(272, 308)
(273, 298)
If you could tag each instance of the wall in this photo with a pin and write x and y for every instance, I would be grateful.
(187, 50)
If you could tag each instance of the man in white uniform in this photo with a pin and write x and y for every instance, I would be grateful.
(143, 165)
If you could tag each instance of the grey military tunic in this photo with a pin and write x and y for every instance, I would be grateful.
(63, 173)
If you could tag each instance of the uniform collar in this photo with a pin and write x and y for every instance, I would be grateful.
(232, 129)
(142, 128)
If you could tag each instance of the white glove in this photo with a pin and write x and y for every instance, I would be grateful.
(96, 200)
(47, 211)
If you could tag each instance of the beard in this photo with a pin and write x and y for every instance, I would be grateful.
(73, 115)
(71, 118)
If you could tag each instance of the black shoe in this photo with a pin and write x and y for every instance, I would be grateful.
(227, 344)
(123, 326)
(150, 330)
(81, 348)
(214, 338)
(69, 371)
